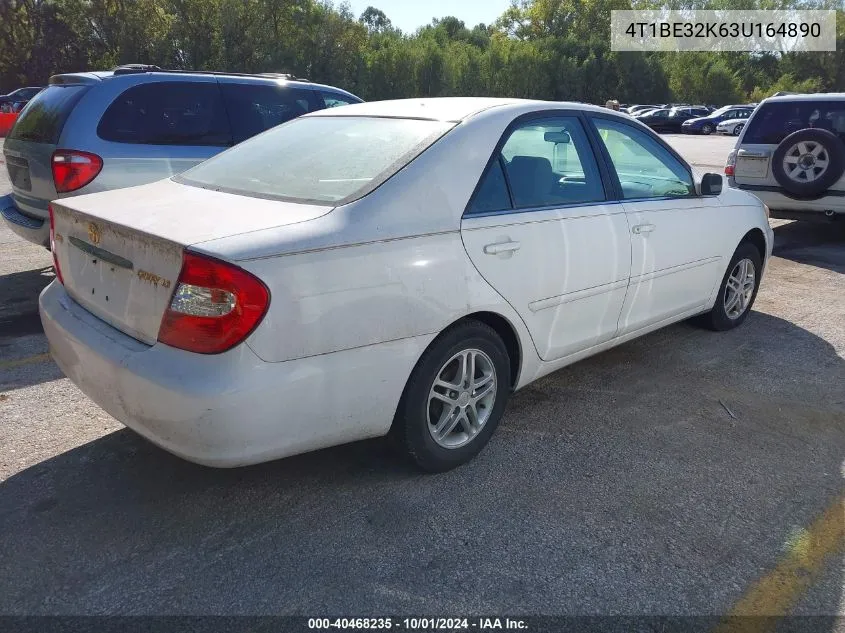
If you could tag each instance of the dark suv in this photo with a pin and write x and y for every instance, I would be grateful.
(90, 132)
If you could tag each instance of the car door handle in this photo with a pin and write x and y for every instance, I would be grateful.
(502, 247)
(642, 228)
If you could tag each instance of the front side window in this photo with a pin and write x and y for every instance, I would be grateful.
(545, 162)
(167, 113)
(327, 160)
(645, 168)
(254, 108)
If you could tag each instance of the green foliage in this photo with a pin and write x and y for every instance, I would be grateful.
(539, 49)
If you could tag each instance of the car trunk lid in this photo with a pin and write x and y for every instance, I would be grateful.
(120, 252)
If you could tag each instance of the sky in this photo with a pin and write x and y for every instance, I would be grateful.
(409, 15)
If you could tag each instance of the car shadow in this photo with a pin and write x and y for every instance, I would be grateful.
(19, 308)
(820, 244)
(664, 476)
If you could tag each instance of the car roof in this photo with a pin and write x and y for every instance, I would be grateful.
(452, 109)
(820, 96)
(109, 75)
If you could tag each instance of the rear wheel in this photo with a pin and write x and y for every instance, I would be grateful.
(454, 398)
(738, 290)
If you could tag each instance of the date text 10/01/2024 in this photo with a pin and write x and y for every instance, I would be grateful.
(418, 624)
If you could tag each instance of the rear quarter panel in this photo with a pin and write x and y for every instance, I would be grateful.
(348, 297)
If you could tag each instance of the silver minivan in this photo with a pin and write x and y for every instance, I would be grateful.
(90, 132)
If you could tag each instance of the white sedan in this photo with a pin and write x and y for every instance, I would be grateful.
(732, 127)
(396, 267)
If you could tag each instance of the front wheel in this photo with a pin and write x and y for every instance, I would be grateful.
(706, 129)
(738, 128)
(454, 398)
(738, 290)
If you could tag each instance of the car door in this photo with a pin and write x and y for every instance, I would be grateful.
(675, 257)
(543, 232)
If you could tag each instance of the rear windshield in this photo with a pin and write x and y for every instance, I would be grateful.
(320, 160)
(42, 120)
(775, 121)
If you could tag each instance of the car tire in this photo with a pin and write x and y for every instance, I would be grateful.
(706, 129)
(736, 286)
(438, 436)
(738, 129)
(797, 162)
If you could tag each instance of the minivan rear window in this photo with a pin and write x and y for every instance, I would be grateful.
(777, 120)
(42, 120)
(317, 159)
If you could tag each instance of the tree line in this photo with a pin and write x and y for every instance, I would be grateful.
(544, 49)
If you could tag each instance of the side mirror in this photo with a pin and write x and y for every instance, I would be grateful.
(711, 185)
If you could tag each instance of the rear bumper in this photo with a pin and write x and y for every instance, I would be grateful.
(228, 409)
(778, 202)
(32, 229)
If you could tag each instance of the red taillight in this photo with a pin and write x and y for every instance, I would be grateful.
(215, 306)
(73, 170)
(730, 163)
(53, 246)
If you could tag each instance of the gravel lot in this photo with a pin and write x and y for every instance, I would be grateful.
(682, 473)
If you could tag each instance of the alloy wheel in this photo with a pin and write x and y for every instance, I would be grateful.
(740, 288)
(806, 161)
(461, 399)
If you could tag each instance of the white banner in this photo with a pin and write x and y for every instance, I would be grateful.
(784, 31)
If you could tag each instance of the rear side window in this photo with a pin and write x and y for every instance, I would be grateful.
(44, 117)
(167, 113)
(320, 159)
(254, 108)
(492, 194)
(335, 99)
(775, 121)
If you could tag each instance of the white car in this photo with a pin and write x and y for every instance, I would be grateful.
(731, 127)
(395, 267)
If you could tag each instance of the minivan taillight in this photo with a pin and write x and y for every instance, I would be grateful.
(53, 245)
(215, 306)
(73, 170)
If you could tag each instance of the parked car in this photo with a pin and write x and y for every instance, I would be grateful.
(632, 110)
(670, 119)
(707, 124)
(397, 267)
(791, 155)
(732, 126)
(89, 132)
(21, 95)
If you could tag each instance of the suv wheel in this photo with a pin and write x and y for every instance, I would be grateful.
(706, 129)
(808, 162)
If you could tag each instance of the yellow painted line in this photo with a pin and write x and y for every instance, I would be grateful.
(29, 360)
(777, 593)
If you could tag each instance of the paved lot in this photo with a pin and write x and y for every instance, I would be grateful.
(683, 473)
